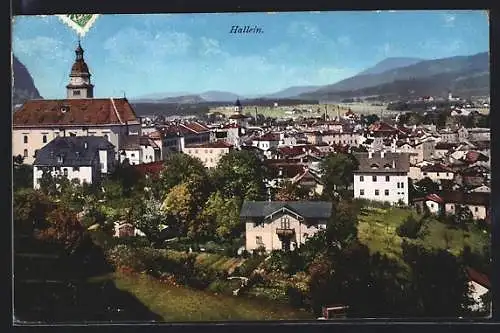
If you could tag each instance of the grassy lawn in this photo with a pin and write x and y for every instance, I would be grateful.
(377, 229)
(185, 304)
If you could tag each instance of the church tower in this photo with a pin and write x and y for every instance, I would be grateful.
(79, 79)
(237, 106)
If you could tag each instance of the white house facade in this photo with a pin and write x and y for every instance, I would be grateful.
(382, 176)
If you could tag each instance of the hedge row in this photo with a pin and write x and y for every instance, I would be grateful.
(160, 262)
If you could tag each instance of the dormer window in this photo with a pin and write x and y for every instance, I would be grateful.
(64, 109)
(374, 166)
(59, 159)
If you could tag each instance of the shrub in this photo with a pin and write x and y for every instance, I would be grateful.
(410, 228)
(245, 254)
(249, 266)
(219, 286)
(134, 241)
(124, 256)
(295, 296)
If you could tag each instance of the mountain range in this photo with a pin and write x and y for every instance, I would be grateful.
(428, 77)
(23, 86)
(460, 74)
(390, 63)
(391, 78)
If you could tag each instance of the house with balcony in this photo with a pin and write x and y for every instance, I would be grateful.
(282, 225)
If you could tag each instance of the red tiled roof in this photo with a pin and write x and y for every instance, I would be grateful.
(435, 198)
(289, 170)
(381, 126)
(195, 127)
(176, 130)
(297, 150)
(477, 277)
(473, 198)
(153, 168)
(474, 156)
(156, 135)
(215, 144)
(87, 111)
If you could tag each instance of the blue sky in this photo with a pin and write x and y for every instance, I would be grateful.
(144, 54)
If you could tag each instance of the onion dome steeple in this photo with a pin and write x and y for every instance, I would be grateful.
(237, 105)
(79, 85)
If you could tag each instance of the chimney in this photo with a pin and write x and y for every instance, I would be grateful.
(85, 145)
(370, 154)
(393, 164)
(280, 172)
(382, 153)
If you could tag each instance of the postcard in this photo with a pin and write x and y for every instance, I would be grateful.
(228, 167)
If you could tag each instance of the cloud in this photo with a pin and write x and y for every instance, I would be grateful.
(449, 20)
(305, 30)
(132, 46)
(209, 47)
(41, 47)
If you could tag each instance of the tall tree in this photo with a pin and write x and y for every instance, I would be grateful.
(180, 168)
(426, 186)
(337, 171)
(22, 174)
(221, 216)
(30, 208)
(439, 284)
(150, 219)
(64, 229)
(241, 174)
(181, 207)
(291, 192)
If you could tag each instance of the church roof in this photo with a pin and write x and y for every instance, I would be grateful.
(79, 67)
(67, 112)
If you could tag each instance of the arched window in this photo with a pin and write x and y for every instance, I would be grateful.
(25, 139)
(26, 153)
(106, 137)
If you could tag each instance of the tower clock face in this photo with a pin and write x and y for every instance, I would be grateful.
(78, 80)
